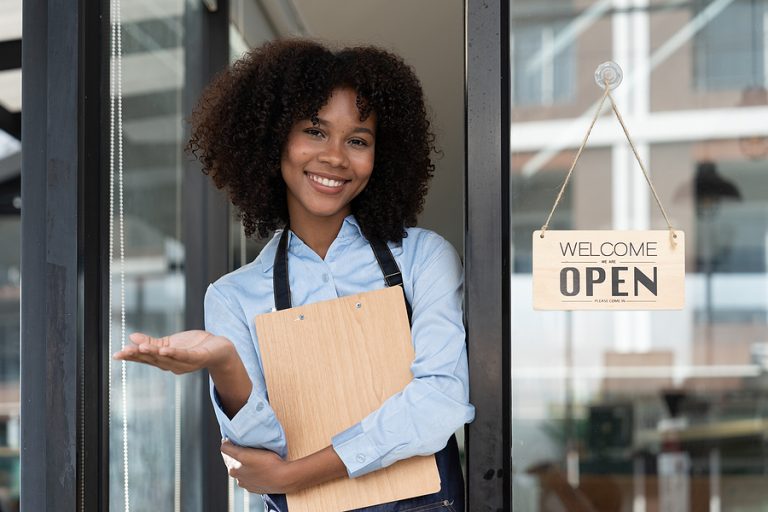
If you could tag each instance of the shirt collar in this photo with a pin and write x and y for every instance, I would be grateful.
(349, 229)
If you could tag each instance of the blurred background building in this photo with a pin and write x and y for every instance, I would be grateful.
(601, 398)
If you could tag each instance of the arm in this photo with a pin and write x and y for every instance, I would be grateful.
(262, 471)
(232, 382)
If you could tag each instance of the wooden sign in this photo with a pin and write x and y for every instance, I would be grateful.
(328, 365)
(617, 270)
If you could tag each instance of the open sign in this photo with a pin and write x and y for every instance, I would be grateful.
(618, 270)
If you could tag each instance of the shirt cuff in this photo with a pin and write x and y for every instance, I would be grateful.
(356, 451)
(255, 415)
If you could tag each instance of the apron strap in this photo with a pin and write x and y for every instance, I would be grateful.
(280, 283)
(282, 287)
(391, 271)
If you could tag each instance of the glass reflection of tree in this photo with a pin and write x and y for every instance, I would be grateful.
(711, 191)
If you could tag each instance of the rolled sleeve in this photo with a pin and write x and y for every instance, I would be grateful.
(356, 451)
(255, 424)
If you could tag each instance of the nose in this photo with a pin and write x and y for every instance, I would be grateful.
(334, 155)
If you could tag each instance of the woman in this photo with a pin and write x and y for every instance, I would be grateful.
(332, 149)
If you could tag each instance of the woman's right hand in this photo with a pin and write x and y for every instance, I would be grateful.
(182, 352)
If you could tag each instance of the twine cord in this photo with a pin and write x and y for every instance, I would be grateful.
(607, 94)
(576, 159)
(639, 161)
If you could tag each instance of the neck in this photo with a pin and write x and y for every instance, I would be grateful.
(318, 233)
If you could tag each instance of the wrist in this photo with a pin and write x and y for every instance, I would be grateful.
(291, 477)
(314, 469)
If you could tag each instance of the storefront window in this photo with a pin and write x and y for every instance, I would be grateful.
(10, 288)
(10, 252)
(662, 410)
(145, 427)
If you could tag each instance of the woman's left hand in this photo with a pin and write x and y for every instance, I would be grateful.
(257, 471)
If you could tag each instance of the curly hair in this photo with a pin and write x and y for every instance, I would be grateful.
(242, 122)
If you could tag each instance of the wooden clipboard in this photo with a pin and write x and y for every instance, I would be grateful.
(328, 365)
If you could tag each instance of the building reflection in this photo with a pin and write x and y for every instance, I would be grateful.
(644, 411)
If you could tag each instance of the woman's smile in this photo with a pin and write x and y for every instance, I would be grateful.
(326, 184)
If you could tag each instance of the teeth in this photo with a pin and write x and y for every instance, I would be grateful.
(325, 181)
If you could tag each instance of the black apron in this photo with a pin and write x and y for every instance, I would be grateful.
(450, 498)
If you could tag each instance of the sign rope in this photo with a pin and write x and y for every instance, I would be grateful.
(607, 94)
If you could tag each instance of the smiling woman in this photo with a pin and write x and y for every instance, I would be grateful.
(333, 149)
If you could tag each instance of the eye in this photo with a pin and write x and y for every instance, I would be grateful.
(314, 132)
(359, 142)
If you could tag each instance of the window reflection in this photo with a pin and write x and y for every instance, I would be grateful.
(10, 330)
(663, 410)
(152, 87)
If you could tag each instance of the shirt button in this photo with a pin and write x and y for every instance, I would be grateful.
(325, 278)
(259, 406)
(360, 458)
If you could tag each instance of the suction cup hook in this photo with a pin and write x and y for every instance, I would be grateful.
(608, 73)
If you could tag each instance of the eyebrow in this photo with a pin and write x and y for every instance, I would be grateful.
(358, 129)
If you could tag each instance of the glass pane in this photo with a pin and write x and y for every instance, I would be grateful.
(10, 261)
(644, 410)
(144, 401)
(10, 328)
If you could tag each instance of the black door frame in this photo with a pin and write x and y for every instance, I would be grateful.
(487, 254)
(63, 262)
(65, 267)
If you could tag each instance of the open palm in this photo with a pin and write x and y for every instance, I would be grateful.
(182, 352)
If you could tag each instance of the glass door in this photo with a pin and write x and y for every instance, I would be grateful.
(643, 411)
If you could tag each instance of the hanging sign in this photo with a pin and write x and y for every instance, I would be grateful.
(617, 270)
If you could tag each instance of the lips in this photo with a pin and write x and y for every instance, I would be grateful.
(326, 181)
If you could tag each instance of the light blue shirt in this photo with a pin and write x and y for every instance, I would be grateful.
(418, 420)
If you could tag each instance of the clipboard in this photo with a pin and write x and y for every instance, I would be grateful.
(328, 365)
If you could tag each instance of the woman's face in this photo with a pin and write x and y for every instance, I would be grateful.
(325, 166)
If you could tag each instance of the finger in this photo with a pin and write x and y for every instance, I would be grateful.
(144, 340)
(139, 338)
(129, 353)
(244, 486)
(231, 449)
(150, 360)
(145, 359)
(123, 354)
(148, 348)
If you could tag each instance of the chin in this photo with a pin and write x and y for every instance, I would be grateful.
(326, 210)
